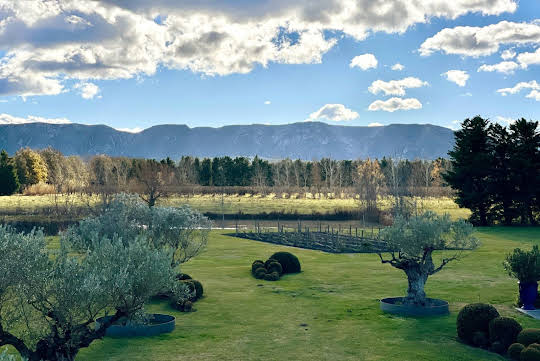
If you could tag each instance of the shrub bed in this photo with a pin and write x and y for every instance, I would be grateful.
(278, 264)
(480, 325)
(196, 289)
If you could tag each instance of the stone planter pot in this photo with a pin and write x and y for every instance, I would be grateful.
(159, 324)
(394, 305)
(528, 292)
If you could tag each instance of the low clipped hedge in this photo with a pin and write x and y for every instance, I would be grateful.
(196, 289)
(275, 266)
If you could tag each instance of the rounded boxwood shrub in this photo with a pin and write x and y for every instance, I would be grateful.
(475, 318)
(196, 289)
(256, 265)
(531, 353)
(274, 266)
(273, 276)
(505, 331)
(183, 277)
(260, 273)
(289, 262)
(529, 336)
(514, 350)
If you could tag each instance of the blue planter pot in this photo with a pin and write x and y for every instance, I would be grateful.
(527, 293)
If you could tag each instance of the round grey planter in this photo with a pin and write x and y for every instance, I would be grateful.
(160, 324)
(395, 306)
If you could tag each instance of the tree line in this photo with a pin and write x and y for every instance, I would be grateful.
(104, 174)
(495, 171)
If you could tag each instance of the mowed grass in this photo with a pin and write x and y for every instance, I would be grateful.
(330, 311)
(247, 204)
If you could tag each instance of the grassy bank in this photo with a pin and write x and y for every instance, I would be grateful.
(327, 312)
(302, 204)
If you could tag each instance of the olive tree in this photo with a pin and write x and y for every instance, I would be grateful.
(181, 231)
(411, 243)
(49, 300)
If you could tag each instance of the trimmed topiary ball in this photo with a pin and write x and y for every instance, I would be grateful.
(531, 353)
(196, 289)
(504, 330)
(260, 273)
(183, 277)
(289, 262)
(480, 339)
(256, 265)
(514, 350)
(474, 318)
(274, 266)
(529, 336)
(274, 276)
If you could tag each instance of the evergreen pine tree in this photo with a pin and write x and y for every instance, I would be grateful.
(471, 163)
(9, 182)
(525, 160)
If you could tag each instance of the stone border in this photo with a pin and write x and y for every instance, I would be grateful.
(388, 305)
(166, 324)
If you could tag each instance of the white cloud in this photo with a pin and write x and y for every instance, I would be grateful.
(268, 102)
(48, 43)
(364, 61)
(87, 90)
(505, 67)
(526, 59)
(504, 120)
(375, 125)
(334, 112)
(533, 85)
(481, 41)
(395, 87)
(393, 104)
(130, 130)
(468, 94)
(459, 77)
(508, 54)
(518, 87)
(10, 119)
(397, 67)
(534, 94)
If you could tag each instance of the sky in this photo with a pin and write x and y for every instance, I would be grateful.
(132, 64)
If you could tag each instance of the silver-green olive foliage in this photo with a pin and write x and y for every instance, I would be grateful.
(49, 299)
(179, 230)
(411, 243)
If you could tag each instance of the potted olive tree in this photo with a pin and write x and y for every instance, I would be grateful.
(410, 244)
(525, 266)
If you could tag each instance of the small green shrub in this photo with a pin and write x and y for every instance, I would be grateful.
(260, 273)
(480, 339)
(474, 318)
(529, 336)
(531, 353)
(196, 289)
(514, 350)
(183, 277)
(289, 262)
(524, 265)
(273, 276)
(256, 265)
(274, 266)
(505, 331)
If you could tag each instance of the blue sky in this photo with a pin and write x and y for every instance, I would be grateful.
(90, 66)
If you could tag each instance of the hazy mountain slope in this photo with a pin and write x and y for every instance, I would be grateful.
(309, 140)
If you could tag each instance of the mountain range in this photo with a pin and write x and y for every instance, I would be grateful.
(306, 140)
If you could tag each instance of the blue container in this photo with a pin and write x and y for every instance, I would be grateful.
(159, 324)
(527, 293)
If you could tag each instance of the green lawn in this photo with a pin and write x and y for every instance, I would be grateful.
(329, 311)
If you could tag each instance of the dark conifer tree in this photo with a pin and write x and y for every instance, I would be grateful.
(471, 163)
(9, 182)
